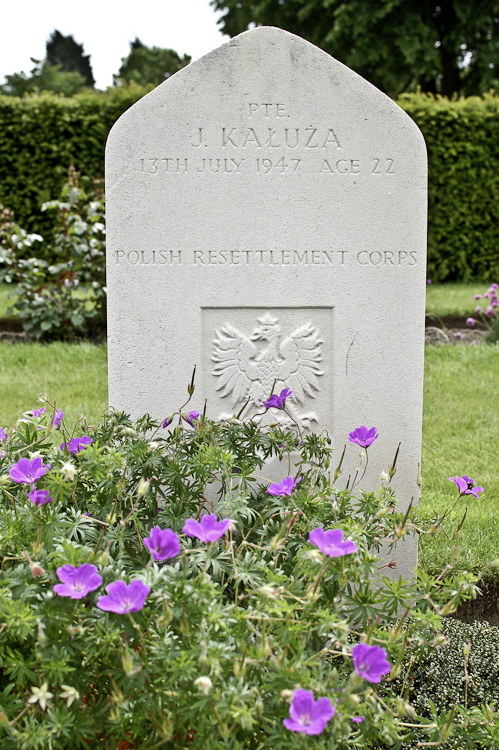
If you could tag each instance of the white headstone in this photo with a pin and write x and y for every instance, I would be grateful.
(266, 220)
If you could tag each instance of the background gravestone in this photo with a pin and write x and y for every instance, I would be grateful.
(266, 219)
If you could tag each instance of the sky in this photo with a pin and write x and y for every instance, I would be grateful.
(105, 28)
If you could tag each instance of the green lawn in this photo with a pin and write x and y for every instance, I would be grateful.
(453, 298)
(73, 374)
(441, 299)
(460, 425)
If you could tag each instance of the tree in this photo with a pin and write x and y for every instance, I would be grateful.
(149, 64)
(64, 51)
(44, 77)
(443, 46)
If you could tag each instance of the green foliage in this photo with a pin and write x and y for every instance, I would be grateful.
(254, 614)
(42, 136)
(46, 297)
(66, 53)
(149, 65)
(462, 138)
(445, 47)
(45, 76)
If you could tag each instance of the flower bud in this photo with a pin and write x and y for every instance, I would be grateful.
(238, 668)
(37, 570)
(269, 591)
(314, 555)
(383, 476)
(467, 648)
(362, 453)
(204, 685)
(286, 694)
(4, 479)
(153, 446)
(143, 486)
(440, 639)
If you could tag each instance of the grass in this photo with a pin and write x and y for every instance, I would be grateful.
(453, 298)
(460, 426)
(74, 374)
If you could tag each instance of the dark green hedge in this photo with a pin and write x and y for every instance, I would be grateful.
(40, 137)
(463, 191)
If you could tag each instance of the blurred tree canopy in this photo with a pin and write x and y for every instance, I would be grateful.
(443, 46)
(65, 70)
(68, 55)
(149, 64)
(43, 77)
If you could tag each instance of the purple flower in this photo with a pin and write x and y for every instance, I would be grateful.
(487, 295)
(76, 445)
(470, 322)
(331, 542)
(162, 543)
(370, 662)
(357, 719)
(58, 417)
(307, 714)
(428, 281)
(477, 296)
(27, 472)
(465, 485)
(278, 401)
(77, 582)
(489, 312)
(168, 421)
(123, 598)
(191, 417)
(362, 436)
(478, 310)
(3, 436)
(208, 529)
(38, 412)
(284, 488)
(39, 497)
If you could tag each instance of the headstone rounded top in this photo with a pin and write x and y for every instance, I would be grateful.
(281, 61)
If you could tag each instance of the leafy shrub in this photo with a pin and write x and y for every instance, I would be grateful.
(232, 628)
(42, 136)
(66, 297)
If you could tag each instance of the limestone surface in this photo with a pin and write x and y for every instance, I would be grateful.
(266, 221)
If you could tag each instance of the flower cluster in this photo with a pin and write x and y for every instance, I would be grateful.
(27, 471)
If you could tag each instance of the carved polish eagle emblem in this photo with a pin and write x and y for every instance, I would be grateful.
(248, 365)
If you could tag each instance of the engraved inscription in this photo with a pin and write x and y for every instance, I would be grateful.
(248, 364)
(268, 142)
(305, 258)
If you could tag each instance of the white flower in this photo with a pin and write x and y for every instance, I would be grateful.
(41, 695)
(383, 476)
(69, 470)
(204, 685)
(70, 694)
